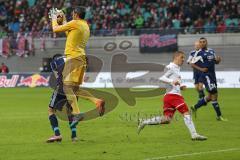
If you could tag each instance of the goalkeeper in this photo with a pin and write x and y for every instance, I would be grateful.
(71, 70)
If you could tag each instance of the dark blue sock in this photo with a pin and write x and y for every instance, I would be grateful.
(73, 128)
(216, 108)
(200, 103)
(201, 94)
(54, 124)
(74, 132)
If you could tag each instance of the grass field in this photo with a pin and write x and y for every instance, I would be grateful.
(24, 127)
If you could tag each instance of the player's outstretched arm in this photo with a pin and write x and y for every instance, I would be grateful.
(59, 23)
(63, 28)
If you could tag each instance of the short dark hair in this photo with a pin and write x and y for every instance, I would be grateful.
(203, 38)
(80, 11)
(56, 56)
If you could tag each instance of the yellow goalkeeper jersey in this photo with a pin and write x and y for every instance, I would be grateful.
(78, 33)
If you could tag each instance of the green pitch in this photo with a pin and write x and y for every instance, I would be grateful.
(24, 127)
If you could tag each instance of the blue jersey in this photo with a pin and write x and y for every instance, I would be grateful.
(59, 98)
(208, 57)
(57, 66)
(209, 78)
(194, 54)
(191, 55)
(196, 73)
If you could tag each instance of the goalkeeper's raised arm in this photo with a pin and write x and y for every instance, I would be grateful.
(77, 30)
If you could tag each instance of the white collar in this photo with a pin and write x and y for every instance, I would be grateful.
(174, 65)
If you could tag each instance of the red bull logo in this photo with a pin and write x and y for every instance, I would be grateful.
(35, 80)
(6, 81)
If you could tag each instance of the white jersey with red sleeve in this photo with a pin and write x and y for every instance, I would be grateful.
(171, 74)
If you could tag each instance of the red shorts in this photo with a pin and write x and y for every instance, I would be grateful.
(173, 102)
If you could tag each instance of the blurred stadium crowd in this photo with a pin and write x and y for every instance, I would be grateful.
(23, 20)
(211, 15)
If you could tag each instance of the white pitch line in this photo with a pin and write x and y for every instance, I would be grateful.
(193, 154)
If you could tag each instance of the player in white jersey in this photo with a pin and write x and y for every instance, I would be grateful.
(173, 99)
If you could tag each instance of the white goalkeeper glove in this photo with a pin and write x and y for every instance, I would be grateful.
(54, 13)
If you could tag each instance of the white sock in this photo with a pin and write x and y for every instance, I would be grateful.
(190, 125)
(152, 121)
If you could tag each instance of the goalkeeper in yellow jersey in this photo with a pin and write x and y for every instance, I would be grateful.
(69, 70)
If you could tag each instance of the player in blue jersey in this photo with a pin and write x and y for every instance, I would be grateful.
(206, 65)
(196, 73)
(58, 100)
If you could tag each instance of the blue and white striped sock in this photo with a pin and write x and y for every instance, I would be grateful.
(54, 123)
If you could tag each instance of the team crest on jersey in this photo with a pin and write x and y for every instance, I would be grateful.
(211, 57)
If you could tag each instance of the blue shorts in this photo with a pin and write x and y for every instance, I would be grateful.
(197, 76)
(210, 83)
(58, 99)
